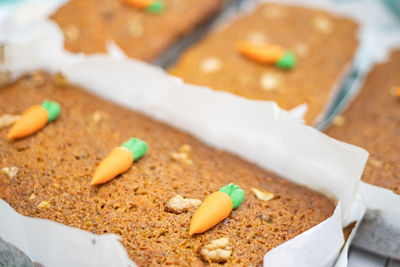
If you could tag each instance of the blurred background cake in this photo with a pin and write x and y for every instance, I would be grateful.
(88, 25)
(323, 44)
(373, 122)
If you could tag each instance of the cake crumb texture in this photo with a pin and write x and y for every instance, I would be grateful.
(57, 163)
(373, 123)
(324, 45)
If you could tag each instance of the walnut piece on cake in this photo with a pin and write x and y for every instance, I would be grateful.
(8, 119)
(262, 195)
(183, 155)
(11, 172)
(179, 204)
(218, 250)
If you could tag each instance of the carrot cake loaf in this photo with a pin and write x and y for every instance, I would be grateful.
(144, 29)
(288, 54)
(373, 122)
(155, 204)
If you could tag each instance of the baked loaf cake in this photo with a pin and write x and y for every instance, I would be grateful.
(324, 45)
(48, 175)
(372, 122)
(88, 25)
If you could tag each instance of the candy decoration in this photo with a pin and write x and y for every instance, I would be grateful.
(268, 54)
(215, 208)
(119, 160)
(34, 119)
(287, 61)
(152, 6)
(398, 92)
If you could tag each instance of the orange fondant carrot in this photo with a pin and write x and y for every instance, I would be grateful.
(263, 53)
(119, 160)
(139, 3)
(34, 119)
(215, 208)
(398, 92)
(152, 6)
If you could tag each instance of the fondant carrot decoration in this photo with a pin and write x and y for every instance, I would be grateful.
(34, 119)
(268, 54)
(119, 160)
(152, 6)
(398, 91)
(215, 208)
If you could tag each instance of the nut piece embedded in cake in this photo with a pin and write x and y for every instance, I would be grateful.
(11, 172)
(269, 82)
(262, 195)
(374, 162)
(218, 251)
(60, 80)
(8, 119)
(185, 148)
(135, 28)
(210, 64)
(38, 78)
(257, 38)
(323, 24)
(96, 117)
(71, 33)
(43, 205)
(301, 49)
(179, 204)
(183, 155)
(274, 12)
(339, 120)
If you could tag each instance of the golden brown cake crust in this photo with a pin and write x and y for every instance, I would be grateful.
(55, 167)
(141, 35)
(324, 45)
(373, 123)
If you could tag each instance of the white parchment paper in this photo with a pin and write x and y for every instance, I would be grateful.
(256, 130)
(54, 244)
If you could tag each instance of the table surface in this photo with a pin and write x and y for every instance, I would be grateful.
(360, 258)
